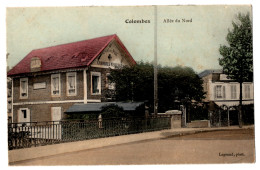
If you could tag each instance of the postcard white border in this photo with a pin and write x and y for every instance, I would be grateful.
(29, 3)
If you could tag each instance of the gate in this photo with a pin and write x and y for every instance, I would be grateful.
(224, 116)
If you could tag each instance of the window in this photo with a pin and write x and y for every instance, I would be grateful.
(220, 92)
(71, 84)
(24, 88)
(247, 91)
(233, 92)
(95, 83)
(109, 85)
(55, 84)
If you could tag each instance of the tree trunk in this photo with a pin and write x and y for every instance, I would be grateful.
(240, 106)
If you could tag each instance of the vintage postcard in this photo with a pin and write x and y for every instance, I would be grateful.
(130, 85)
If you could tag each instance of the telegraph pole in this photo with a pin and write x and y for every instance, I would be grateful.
(155, 63)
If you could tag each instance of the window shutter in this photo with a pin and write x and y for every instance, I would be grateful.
(248, 91)
(99, 85)
(215, 92)
(29, 115)
(235, 92)
(224, 92)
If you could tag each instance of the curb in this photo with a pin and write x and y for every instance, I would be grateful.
(204, 130)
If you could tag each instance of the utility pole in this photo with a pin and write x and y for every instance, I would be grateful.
(155, 63)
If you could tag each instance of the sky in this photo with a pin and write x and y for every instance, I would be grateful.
(194, 44)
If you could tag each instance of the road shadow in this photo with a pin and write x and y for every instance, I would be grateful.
(238, 134)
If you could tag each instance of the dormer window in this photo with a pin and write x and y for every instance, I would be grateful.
(35, 64)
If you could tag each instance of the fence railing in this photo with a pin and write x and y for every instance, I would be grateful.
(32, 134)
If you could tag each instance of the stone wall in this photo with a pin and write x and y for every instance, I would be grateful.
(198, 124)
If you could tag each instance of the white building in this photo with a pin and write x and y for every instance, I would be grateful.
(224, 91)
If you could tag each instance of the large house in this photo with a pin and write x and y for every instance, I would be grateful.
(224, 91)
(48, 81)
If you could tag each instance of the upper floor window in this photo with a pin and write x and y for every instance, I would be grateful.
(24, 88)
(247, 91)
(233, 91)
(71, 84)
(95, 83)
(220, 92)
(55, 84)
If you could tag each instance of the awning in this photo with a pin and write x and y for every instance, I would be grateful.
(96, 107)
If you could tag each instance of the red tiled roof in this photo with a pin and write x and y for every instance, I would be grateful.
(72, 55)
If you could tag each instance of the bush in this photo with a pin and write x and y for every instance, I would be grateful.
(112, 111)
(81, 116)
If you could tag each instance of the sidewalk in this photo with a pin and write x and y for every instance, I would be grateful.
(44, 151)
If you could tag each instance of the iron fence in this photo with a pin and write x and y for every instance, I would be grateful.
(32, 134)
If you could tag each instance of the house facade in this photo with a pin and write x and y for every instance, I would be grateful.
(224, 91)
(50, 80)
(9, 100)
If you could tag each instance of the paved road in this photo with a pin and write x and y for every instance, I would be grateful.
(210, 147)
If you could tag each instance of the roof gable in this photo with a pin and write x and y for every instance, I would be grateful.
(113, 56)
(71, 55)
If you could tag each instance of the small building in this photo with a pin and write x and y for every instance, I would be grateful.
(48, 81)
(223, 91)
